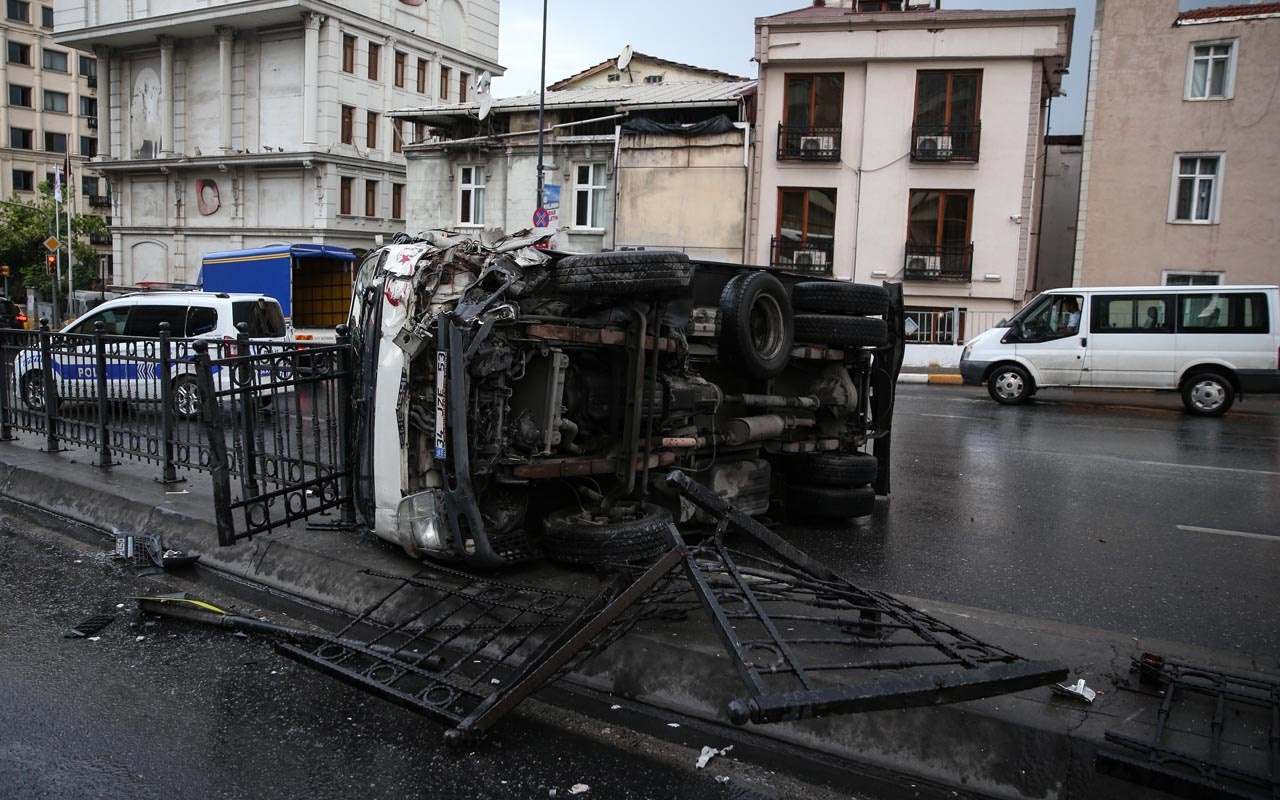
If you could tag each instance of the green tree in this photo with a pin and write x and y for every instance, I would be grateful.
(23, 229)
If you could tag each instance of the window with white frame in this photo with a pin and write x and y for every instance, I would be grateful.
(1197, 188)
(1211, 70)
(588, 196)
(1191, 278)
(471, 196)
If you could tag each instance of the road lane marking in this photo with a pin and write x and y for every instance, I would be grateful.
(1205, 466)
(1220, 532)
(955, 416)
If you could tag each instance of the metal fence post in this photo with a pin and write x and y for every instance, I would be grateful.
(104, 404)
(344, 398)
(170, 473)
(246, 374)
(219, 468)
(50, 392)
(6, 356)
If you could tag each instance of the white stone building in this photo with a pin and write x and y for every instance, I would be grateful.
(229, 124)
(904, 142)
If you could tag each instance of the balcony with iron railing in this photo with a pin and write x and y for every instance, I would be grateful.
(808, 142)
(100, 200)
(945, 142)
(950, 261)
(813, 256)
(99, 238)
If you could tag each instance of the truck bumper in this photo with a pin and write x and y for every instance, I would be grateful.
(972, 371)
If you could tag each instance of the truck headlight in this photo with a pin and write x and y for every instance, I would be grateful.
(420, 520)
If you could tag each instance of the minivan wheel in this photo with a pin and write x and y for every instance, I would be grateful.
(1208, 394)
(1010, 385)
(186, 397)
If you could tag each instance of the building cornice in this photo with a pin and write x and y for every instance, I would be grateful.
(303, 160)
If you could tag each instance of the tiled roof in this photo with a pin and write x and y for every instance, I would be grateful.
(613, 95)
(1239, 11)
(714, 74)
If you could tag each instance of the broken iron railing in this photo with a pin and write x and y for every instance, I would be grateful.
(1240, 758)
(465, 649)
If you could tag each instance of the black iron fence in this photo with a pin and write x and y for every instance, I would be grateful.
(814, 255)
(945, 142)
(809, 142)
(949, 261)
(270, 413)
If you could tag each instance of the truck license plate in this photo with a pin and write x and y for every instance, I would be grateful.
(442, 370)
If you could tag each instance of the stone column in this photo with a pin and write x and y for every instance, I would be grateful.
(226, 37)
(166, 96)
(104, 102)
(311, 77)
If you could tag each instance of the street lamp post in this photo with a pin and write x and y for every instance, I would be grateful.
(542, 97)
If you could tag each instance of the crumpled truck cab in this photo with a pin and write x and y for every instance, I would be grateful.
(513, 402)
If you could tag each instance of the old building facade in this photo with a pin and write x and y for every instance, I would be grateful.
(236, 125)
(904, 142)
(1181, 146)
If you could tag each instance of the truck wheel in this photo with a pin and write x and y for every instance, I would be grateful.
(828, 503)
(1010, 385)
(833, 469)
(840, 331)
(755, 324)
(574, 536)
(840, 298)
(1208, 394)
(622, 274)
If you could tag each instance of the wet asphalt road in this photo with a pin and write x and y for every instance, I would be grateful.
(169, 711)
(1107, 509)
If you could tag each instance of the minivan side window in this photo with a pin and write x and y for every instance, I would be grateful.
(1245, 312)
(201, 320)
(113, 322)
(1130, 314)
(145, 320)
(1054, 316)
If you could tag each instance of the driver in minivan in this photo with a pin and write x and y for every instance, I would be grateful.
(1071, 308)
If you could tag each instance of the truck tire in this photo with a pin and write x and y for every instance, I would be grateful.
(574, 536)
(755, 324)
(827, 503)
(833, 469)
(840, 331)
(840, 298)
(623, 274)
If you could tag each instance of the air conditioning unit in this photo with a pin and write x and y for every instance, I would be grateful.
(918, 4)
(817, 145)
(933, 147)
(924, 265)
(809, 258)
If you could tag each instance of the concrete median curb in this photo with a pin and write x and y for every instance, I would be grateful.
(1032, 743)
(930, 377)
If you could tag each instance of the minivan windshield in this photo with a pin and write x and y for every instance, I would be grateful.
(263, 317)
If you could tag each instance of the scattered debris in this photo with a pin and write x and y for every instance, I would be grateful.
(579, 788)
(1077, 690)
(722, 779)
(709, 753)
(90, 627)
(673, 724)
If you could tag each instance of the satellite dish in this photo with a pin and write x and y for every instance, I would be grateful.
(482, 94)
(624, 58)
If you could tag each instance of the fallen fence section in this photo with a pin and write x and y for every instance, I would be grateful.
(465, 649)
(1240, 757)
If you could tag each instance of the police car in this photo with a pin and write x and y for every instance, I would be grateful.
(132, 363)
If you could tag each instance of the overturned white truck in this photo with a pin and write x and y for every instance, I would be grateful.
(513, 402)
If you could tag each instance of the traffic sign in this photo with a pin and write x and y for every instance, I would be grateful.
(541, 218)
(52, 243)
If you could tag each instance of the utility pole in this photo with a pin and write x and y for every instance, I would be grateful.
(542, 99)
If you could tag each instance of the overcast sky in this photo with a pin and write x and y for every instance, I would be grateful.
(719, 34)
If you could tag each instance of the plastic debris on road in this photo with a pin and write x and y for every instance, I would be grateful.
(709, 753)
(1077, 690)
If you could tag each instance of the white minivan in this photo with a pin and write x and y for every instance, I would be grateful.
(1211, 344)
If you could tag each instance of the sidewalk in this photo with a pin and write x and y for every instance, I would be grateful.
(1033, 743)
